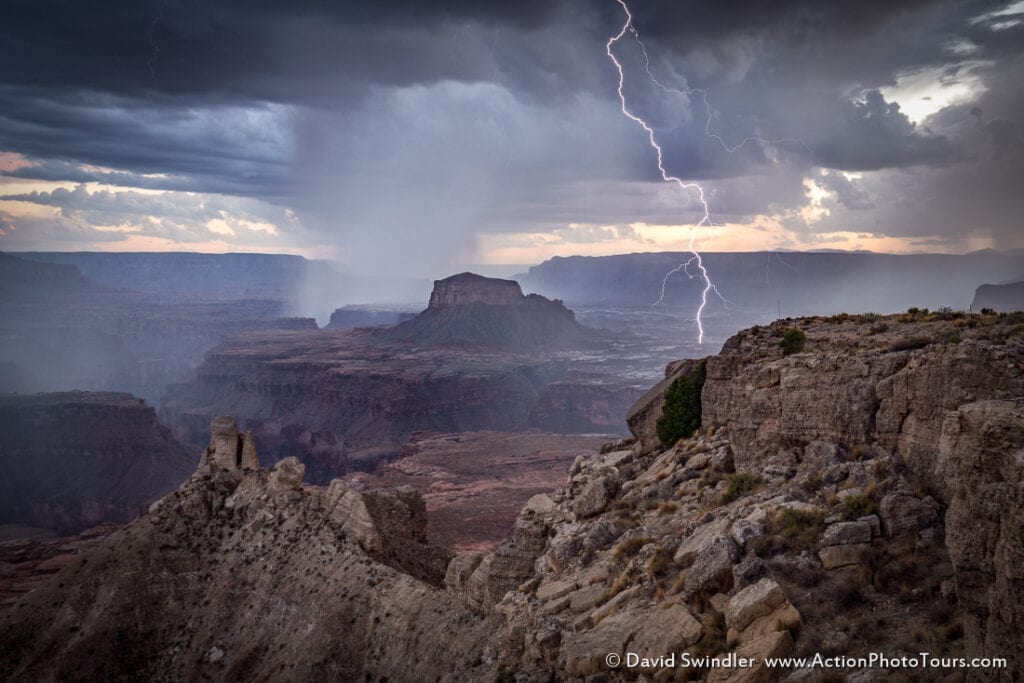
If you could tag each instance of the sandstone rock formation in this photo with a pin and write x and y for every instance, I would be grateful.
(471, 310)
(70, 461)
(470, 288)
(246, 572)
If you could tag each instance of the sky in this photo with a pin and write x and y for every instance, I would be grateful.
(410, 137)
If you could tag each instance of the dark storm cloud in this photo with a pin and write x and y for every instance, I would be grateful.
(221, 148)
(481, 116)
(241, 49)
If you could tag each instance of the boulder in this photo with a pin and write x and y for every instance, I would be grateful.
(593, 498)
(665, 630)
(586, 598)
(752, 602)
(749, 570)
(696, 541)
(785, 617)
(777, 644)
(350, 514)
(712, 570)
(555, 589)
(540, 504)
(744, 529)
(836, 556)
(460, 568)
(287, 475)
(902, 513)
(583, 653)
(845, 533)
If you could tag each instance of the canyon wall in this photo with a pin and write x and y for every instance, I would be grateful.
(69, 461)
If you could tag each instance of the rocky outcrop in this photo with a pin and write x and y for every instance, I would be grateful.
(985, 523)
(246, 570)
(938, 396)
(470, 288)
(470, 310)
(70, 461)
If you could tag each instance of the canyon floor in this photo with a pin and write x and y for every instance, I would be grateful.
(475, 483)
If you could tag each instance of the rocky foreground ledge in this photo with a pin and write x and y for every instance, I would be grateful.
(859, 492)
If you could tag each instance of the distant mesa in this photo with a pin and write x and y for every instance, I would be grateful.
(348, 317)
(470, 288)
(473, 310)
(23, 280)
(1005, 297)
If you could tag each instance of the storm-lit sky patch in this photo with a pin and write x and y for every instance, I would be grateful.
(414, 136)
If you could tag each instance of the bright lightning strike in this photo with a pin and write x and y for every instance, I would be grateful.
(705, 219)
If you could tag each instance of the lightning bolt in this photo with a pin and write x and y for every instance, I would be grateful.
(684, 185)
(705, 220)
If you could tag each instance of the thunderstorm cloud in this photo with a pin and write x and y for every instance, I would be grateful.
(409, 136)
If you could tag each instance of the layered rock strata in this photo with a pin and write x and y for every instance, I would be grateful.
(72, 460)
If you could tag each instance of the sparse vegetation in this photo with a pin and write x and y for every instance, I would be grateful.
(801, 527)
(712, 637)
(621, 583)
(813, 483)
(856, 453)
(660, 563)
(792, 530)
(793, 341)
(630, 546)
(952, 337)
(740, 484)
(947, 313)
(857, 506)
(682, 412)
(667, 507)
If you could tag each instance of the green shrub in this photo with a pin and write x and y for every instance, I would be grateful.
(792, 341)
(682, 412)
(740, 484)
(859, 506)
(801, 527)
